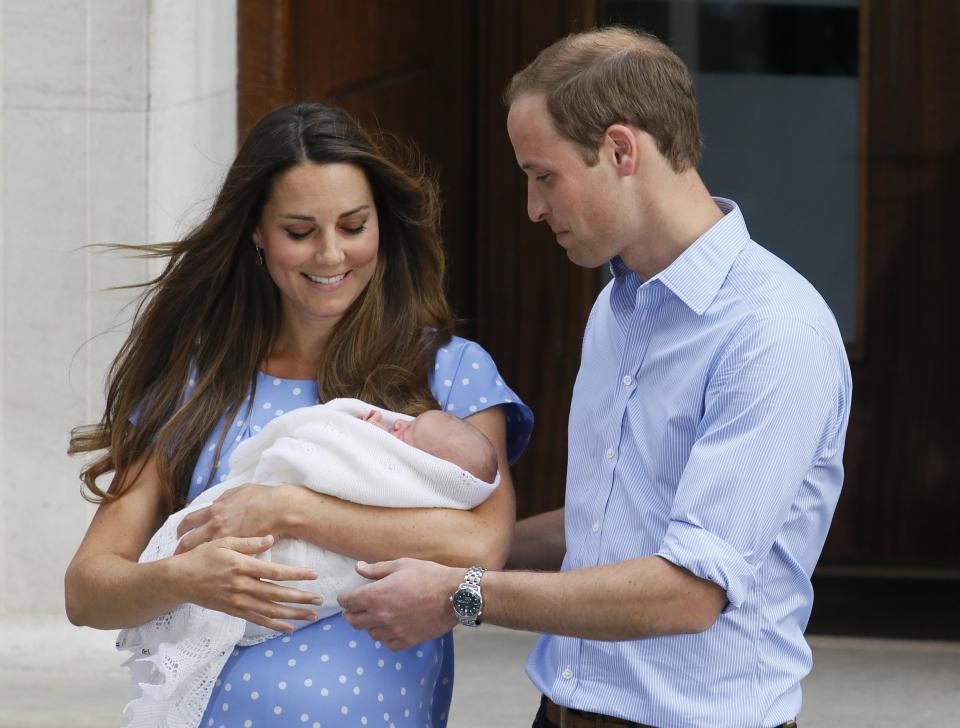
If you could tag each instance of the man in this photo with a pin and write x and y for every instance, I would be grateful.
(706, 428)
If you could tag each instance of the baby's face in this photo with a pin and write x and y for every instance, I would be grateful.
(421, 430)
(406, 431)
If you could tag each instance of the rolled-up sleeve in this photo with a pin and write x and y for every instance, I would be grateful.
(771, 407)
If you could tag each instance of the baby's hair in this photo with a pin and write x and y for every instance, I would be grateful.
(461, 443)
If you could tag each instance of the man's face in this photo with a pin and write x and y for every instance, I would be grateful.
(579, 203)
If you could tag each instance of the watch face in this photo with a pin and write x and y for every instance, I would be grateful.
(467, 603)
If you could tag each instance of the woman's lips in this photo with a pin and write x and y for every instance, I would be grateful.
(326, 283)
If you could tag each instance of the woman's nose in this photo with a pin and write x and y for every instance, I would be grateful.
(328, 252)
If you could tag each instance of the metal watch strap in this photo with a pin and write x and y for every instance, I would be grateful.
(473, 575)
(471, 581)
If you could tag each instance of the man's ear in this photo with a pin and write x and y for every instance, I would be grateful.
(620, 145)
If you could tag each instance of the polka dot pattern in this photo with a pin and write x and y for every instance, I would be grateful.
(414, 685)
(327, 673)
(464, 380)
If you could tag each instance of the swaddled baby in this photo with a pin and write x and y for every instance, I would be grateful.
(344, 449)
(446, 437)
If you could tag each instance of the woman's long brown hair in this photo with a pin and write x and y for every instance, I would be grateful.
(214, 313)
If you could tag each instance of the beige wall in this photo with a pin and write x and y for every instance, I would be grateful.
(117, 121)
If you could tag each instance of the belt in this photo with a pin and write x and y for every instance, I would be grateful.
(563, 717)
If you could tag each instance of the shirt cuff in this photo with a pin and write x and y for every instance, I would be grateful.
(709, 557)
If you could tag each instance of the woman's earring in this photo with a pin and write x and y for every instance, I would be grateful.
(259, 254)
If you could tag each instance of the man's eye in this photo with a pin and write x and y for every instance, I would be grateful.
(293, 235)
(543, 177)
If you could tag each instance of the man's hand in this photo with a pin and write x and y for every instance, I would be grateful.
(408, 603)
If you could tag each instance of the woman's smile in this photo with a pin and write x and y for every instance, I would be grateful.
(326, 283)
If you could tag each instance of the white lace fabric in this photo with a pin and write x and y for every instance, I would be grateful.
(177, 656)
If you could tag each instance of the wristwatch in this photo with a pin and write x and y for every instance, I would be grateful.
(467, 600)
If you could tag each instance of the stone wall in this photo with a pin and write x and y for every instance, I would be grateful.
(117, 123)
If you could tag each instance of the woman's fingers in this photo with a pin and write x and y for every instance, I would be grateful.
(194, 520)
(194, 538)
(281, 572)
(277, 593)
(275, 625)
(261, 619)
(267, 608)
(250, 545)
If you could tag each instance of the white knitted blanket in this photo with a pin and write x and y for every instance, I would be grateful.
(178, 656)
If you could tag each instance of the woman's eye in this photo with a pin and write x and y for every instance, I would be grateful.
(294, 235)
(355, 230)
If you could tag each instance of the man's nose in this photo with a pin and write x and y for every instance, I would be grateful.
(537, 207)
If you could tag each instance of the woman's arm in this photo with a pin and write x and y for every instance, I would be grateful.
(449, 536)
(106, 588)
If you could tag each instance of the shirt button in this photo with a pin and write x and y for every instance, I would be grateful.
(627, 381)
(610, 453)
(567, 674)
(595, 526)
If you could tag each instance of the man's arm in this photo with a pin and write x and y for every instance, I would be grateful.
(628, 600)
(735, 493)
(539, 542)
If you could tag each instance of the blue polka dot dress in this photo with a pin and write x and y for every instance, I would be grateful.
(329, 674)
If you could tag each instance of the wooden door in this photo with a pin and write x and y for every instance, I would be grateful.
(435, 71)
(902, 489)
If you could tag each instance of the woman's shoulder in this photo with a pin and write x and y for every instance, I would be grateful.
(465, 380)
(460, 357)
(453, 353)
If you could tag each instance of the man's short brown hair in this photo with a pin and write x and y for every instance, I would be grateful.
(615, 75)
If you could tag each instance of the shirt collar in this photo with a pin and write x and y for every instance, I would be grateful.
(696, 276)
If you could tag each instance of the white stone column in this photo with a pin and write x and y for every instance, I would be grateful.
(117, 123)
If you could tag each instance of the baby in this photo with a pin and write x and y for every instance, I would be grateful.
(446, 437)
(343, 448)
(434, 460)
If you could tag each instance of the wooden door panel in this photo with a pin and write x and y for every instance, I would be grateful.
(532, 303)
(434, 71)
(902, 489)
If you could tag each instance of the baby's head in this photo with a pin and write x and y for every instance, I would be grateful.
(450, 438)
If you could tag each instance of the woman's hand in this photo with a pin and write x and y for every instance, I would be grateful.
(225, 575)
(244, 511)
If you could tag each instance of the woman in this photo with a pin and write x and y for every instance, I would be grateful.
(317, 274)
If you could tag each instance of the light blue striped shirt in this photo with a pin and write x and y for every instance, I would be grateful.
(707, 427)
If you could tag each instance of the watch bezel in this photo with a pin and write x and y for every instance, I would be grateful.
(471, 611)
